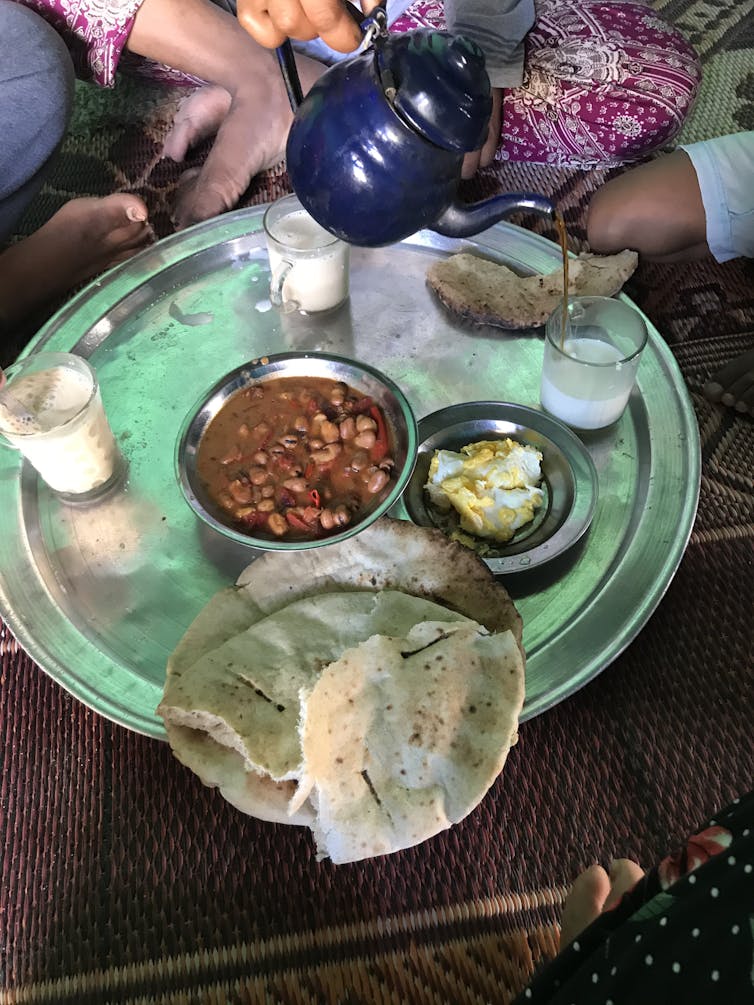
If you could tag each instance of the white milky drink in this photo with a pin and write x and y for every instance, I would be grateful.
(584, 396)
(70, 443)
(588, 378)
(309, 267)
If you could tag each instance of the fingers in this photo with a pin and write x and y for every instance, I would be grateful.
(254, 16)
(270, 22)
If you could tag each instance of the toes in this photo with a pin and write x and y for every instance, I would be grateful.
(584, 902)
(739, 394)
(198, 117)
(119, 210)
(131, 239)
(176, 142)
(731, 384)
(624, 875)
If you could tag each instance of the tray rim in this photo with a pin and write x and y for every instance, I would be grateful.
(194, 241)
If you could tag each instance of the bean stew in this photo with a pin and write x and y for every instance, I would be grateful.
(296, 457)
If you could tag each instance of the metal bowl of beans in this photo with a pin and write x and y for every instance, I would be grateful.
(296, 451)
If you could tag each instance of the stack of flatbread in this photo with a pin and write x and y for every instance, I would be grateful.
(488, 293)
(369, 690)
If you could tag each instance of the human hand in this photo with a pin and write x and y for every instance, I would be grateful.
(486, 154)
(270, 22)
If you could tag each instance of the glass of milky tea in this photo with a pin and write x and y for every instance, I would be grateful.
(51, 410)
(308, 265)
(589, 366)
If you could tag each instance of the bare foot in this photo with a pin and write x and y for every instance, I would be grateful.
(199, 116)
(84, 237)
(733, 385)
(252, 129)
(593, 892)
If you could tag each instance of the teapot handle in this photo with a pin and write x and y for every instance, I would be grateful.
(374, 27)
(287, 64)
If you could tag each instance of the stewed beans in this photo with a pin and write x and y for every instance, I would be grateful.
(296, 457)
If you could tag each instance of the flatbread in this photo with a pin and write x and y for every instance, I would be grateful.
(389, 555)
(222, 767)
(399, 747)
(245, 693)
(261, 647)
(489, 293)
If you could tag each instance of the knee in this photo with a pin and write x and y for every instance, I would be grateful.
(608, 222)
(36, 73)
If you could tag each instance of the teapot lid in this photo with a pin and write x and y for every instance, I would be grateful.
(438, 84)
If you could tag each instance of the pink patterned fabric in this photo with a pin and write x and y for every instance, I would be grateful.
(605, 82)
(96, 32)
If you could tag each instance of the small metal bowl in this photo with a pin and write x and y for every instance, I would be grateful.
(569, 478)
(399, 419)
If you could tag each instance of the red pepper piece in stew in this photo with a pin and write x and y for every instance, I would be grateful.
(379, 450)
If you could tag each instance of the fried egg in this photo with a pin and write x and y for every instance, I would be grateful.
(493, 485)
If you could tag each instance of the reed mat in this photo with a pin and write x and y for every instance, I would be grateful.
(124, 880)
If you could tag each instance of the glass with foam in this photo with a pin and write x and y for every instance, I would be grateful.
(589, 369)
(308, 265)
(64, 434)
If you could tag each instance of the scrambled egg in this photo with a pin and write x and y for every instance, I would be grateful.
(492, 484)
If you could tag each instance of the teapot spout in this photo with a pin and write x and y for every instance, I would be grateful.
(465, 220)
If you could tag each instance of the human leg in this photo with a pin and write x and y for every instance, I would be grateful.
(604, 83)
(248, 106)
(655, 209)
(697, 201)
(679, 933)
(36, 97)
(82, 239)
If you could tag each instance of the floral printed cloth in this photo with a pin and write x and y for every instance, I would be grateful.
(682, 935)
(605, 81)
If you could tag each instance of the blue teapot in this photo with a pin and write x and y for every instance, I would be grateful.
(376, 147)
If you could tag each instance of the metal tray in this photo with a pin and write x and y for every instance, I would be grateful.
(99, 595)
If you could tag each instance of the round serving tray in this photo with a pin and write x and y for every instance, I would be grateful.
(99, 595)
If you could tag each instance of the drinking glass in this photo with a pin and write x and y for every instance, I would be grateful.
(308, 265)
(589, 369)
(54, 415)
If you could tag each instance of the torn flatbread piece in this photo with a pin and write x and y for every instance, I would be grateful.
(402, 737)
(239, 681)
(488, 293)
(244, 694)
